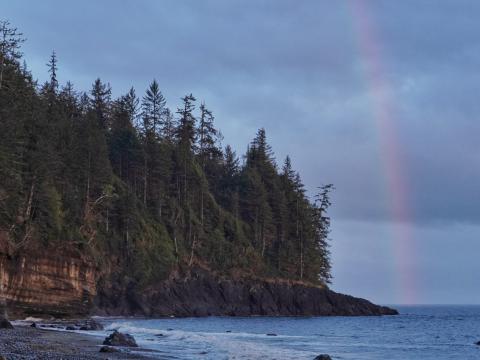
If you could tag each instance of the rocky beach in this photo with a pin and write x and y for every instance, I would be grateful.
(26, 342)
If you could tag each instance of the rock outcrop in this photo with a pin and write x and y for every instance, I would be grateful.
(120, 339)
(323, 357)
(4, 323)
(41, 282)
(65, 285)
(199, 293)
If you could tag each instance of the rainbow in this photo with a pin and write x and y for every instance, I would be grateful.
(384, 114)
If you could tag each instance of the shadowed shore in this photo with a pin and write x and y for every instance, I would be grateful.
(25, 342)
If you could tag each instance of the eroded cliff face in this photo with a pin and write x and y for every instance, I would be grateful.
(200, 293)
(49, 283)
(44, 282)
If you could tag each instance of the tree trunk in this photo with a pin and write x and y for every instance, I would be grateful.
(190, 262)
(145, 170)
(185, 178)
(263, 240)
(2, 65)
(301, 258)
(201, 210)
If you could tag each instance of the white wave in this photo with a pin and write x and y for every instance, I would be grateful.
(229, 345)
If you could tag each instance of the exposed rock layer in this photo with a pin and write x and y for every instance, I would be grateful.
(68, 286)
(47, 285)
(200, 293)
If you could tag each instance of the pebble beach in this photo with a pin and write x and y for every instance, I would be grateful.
(28, 343)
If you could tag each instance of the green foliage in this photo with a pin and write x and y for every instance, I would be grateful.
(145, 192)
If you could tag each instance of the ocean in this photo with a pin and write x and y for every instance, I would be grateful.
(419, 332)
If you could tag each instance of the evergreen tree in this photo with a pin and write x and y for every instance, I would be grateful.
(10, 42)
(52, 69)
(100, 103)
(169, 125)
(134, 189)
(153, 107)
(185, 135)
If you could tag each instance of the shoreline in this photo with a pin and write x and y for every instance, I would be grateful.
(51, 340)
(25, 342)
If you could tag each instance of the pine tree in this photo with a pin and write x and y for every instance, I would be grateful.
(52, 69)
(143, 192)
(169, 125)
(185, 132)
(185, 135)
(10, 42)
(100, 102)
(153, 108)
(207, 136)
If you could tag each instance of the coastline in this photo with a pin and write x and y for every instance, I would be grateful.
(25, 342)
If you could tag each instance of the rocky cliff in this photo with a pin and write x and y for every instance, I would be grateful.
(200, 293)
(37, 281)
(47, 283)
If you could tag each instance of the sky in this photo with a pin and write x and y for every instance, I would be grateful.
(378, 97)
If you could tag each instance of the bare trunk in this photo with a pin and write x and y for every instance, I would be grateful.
(201, 210)
(145, 183)
(28, 209)
(301, 258)
(1, 73)
(256, 227)
(185, 178)
(194, 244)
(87, 199)
(263, 242)
(297, 217)
(127, 234)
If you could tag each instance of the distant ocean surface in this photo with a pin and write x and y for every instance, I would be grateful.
(419, 332)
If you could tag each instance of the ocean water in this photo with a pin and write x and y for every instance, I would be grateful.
(419, 332)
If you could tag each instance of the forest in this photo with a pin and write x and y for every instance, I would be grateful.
(137, 184)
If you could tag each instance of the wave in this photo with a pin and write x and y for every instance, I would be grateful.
(217, 345)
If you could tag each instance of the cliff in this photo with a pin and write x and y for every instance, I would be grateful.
(61, 286)
(98, 215)
(198, 292)
(47, 285)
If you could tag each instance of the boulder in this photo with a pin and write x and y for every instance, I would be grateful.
(34, 325)
(323, 357)
(70, 328)
(5, 324)
(120, 339)
(91, 325)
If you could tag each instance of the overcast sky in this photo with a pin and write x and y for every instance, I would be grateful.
(380, 98)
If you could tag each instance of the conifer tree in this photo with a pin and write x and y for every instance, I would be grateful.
(52, 69)
(169, 125)
(137, 190)
(153, 107)
(185, 135)
(100, 102)
(10, 42)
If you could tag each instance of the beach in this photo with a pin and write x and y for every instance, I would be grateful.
(425, 332)
(25, 342)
